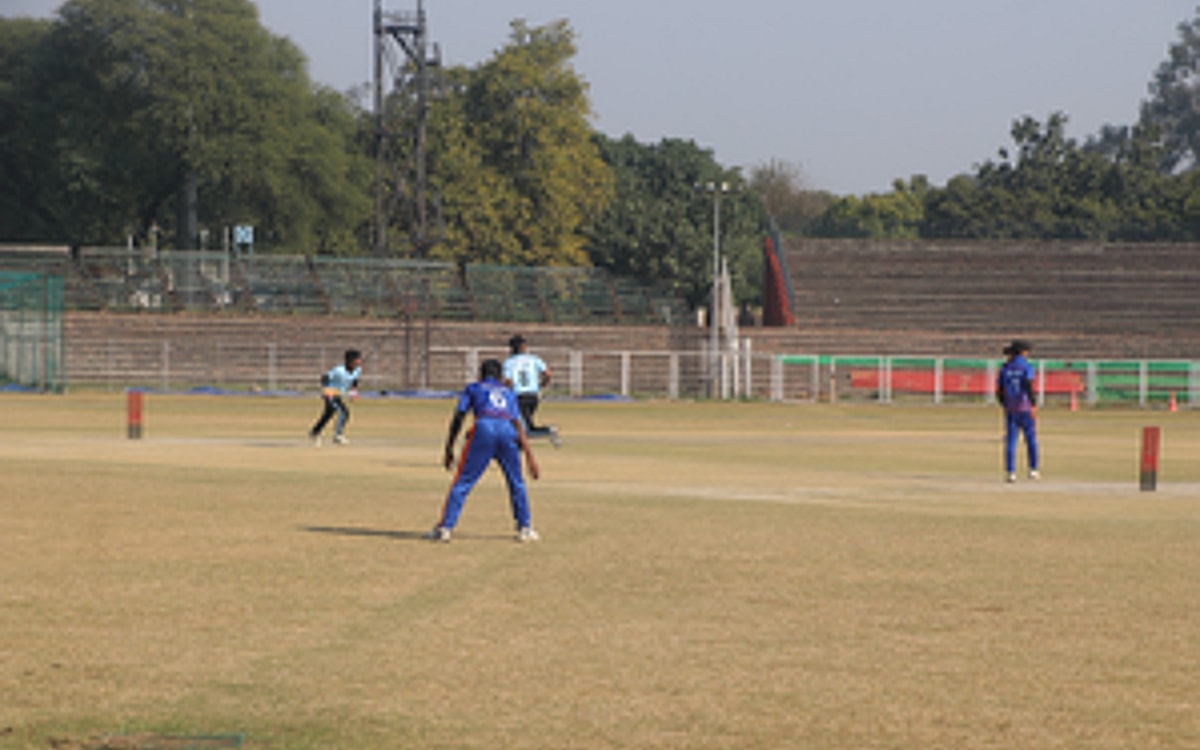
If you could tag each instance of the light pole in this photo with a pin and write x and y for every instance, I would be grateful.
(716, 188)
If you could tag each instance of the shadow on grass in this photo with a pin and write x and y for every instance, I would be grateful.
(358, 531)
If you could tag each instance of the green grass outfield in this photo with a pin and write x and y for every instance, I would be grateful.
(710, 576)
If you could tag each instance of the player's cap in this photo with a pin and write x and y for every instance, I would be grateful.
(1017, 346)
(353, 354)
(515, 342)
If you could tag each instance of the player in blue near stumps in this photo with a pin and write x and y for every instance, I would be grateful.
(497, 434)
(1014, 390)
(527, 374)
(337, 385)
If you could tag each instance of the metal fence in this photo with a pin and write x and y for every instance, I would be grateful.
(31, 330)
(237, 364)
(1142, 383)
(124, 280)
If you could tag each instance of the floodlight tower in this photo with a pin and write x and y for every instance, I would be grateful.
(401, 179)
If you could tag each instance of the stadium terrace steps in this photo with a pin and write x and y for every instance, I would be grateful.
(1083, 300)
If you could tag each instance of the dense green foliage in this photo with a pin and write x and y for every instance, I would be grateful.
(1138, 183)
(119, 106)
(513, 158)
(119, 115)
(660, 224)
(1049, 187)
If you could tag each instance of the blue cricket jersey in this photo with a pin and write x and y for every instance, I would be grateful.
(524, 371)
(1015, 385)
(493, 436)
(489, 400)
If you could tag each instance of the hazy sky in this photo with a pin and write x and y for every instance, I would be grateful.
(857, 93)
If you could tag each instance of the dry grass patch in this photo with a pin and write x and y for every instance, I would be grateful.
(711, 576)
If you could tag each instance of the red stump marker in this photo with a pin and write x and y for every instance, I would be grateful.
(1151, 442)
(133, 409)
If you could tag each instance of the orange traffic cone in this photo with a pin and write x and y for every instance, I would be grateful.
(1171, 405)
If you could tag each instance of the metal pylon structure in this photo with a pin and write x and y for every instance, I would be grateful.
(401, 107)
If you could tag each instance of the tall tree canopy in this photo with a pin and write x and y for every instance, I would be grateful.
(1174, 105)
(512, 155)
(781, 187)
(126, 102)
(660, 222)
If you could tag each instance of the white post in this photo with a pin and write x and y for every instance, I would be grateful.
(777, 378)
(673, 376)
(576, 373)
(271, 365)
(1041, 395)
(714, 318)
(815, 385)
(747, 359)
(166, 365)
(624, 373)
(472, 364)
(1093, 387)
(723, 370)
(1143, 383)
(989, 391)
(939, 371)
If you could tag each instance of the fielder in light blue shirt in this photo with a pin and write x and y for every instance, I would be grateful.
(527, 374)
(337, 385)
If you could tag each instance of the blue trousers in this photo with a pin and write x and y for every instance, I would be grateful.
(1015, 425)
(488, 439)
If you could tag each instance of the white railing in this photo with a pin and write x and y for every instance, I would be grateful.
(181, 364)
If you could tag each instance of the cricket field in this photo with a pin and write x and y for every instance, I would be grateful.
(710, 575)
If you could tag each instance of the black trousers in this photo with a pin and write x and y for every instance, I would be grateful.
(528, 404)
(333, 405)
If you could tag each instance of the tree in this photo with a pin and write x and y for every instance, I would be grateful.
(898, 214)
(1174, 104)
(22, 215)
(780, 185)
(513, 160)
(659, 224)
(137, 105)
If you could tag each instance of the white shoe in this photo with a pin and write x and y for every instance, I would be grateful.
(1035, 475)
(438, 534)
(316, 440)
(555, 439)
(527, 534)
(340, 440)
(1011, 478)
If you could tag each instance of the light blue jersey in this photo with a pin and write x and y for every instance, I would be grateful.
(524, 371)
(342, 379)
